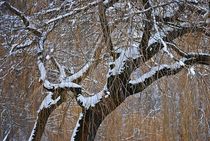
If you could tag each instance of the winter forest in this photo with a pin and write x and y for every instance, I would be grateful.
(104, 70)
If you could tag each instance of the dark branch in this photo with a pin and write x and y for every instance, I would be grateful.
(105, 28)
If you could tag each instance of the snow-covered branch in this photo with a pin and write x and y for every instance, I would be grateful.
(77, 126)
(125, 54)
(90, 101)
(67, 5)
(92, 64)
(42, 70)
(23, 17)
(165, 48)
(74, 11)
(168, 35)
(60, 68)
(26, 44)
(158, 72)
(45, 109)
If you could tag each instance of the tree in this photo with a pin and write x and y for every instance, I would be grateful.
(123, 34)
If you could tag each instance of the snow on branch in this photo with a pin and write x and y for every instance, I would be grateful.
(42, 70)
(26, 44)
(46, 106)
(169, 34)
(156, 73)
(16, 12)
(75, 11)
(56, 9)
(77, 126)
(48, 101)
(86, 69)
(23, 17)
(78, 10)
(125, 54)
(165, 48)
(154, 70)
(6, 136)
(64, 84)
(60, 68)
(91, 101)
(80, 73)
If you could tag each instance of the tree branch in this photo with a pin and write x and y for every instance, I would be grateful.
(105, 29)
(23, 17)
(158, 72)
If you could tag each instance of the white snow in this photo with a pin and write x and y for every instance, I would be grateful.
(165, 48)
(208, 21)
(63, 84)
(148, 74)
(2, 3)
(42, 70)
(106, 2)
(32, 133)
(75, 11)
(48, 85)
(67, 84)
(62, 72)
(28, 42)
(41, 43)
(156, 37)
(181, 63)
(48, 101)
(48, 57)
(51, 50)
(198, 53)
(90, 101)
(191, 71)
(131, 52)
(154, 70)
(5, 138)
(77, 126)
(80, 72)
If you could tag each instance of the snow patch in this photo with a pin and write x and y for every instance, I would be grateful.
(68, 84)
(51, 50)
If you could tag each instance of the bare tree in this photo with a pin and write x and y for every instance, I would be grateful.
(124, 35)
